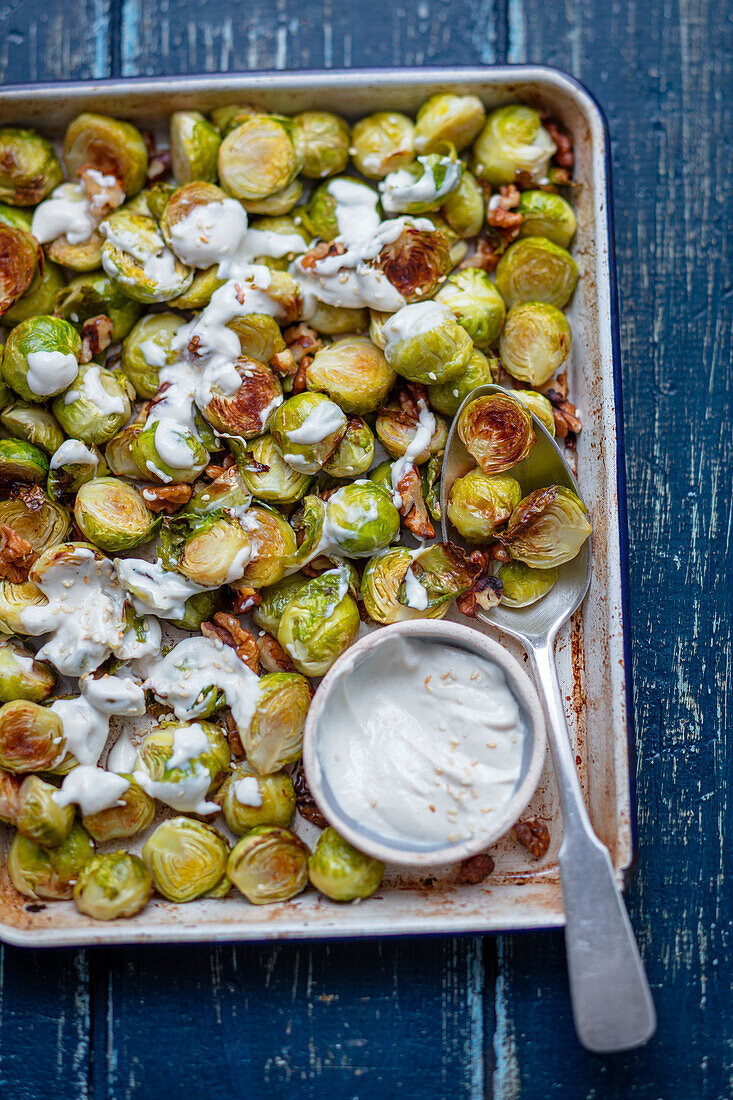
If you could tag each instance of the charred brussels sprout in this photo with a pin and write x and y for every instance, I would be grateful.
(355, 451)
(133, 814)
(318, 624)
(41, 357)
(275, 735)
(307, 429)
(19, 269)
(268, 476)
(21, 675)
(94, 294)
(522, 586)
(9, 787)
(40, 297)
(342, 872)
(534, 269)
(397, 430)
(168, 452)
(116, 884)
(33, 425)
(29, 167)
(535, 342)
(249, 800)
(538, 404)
(39, 817)
(512, 140)
(194, 145)
(147, 348)
(95, 406)
(113, 147)
(258, 159)
(546, 215)
(548, 528)
(269, 864)
(249, 411)
(382, 143)
(417, 262)
(475, 303)
(42, 523)
(382, 582)
(447, 397)
(49, 874)
(497, 432)
(353, 372)
(186, 858)
(322, 139)
(424, 343)
(479, 504)
(138, 261)
(113, 515)
(31, 737)
(455, 119)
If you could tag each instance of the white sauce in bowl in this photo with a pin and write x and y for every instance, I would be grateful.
(422, 743)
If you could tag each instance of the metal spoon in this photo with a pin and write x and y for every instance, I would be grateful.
(612, 1003)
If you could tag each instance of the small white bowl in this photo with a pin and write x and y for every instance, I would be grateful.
(521, 686)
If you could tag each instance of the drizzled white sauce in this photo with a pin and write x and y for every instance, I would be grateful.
(399, 190)
(188, 743)
(155, 589)
(187, 793)
(151, 252)
(123, 754)
(85, 728)
(247, 791)
(92, 789)
(153, 354)
(417, 319)
(114, 694)
(172, 443)
(356, 211)
(50, 372)
(420, 441)
(422, 742)
(73, 452)
(67, 213)
(90, 387)
(325, 419)
(209, 232)
(415, 591)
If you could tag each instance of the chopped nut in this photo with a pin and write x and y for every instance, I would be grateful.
(304, 800)
(213, 471)
(487, 254)
(321, 251)
(299, 381)
(284, 363)
(483, 595)
(534, 835)
(564, 155)
(413, 508)
(96, 335)
(273, 657)
(159, 160)
(166, 498)
(502, 213)
(32, 496)
(16, 555)
(234, 738)
(103, 197)
(302, 340)
(245, 599)
(475, 869)
(243, 640)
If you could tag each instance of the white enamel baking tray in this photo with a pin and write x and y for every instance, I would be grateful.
(592, 652)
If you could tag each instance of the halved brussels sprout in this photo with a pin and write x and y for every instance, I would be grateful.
(194, 145)
(539, 405)
(534, 269)
(14, 600)
(340, 871)
(397, 430)
(322, 140)
(228, 490)
(20, 461)
(9, 787)
(113, 147)
(31, 737)
(280, 239)
(39, 817)
(446, 117)
(447, 397)
(41, 523)
(273, 546)
(113, 515)
(182, 764)
(274, 737)
(249, 410)
(230, 116)
(476, 304)
(479, 504)
(41, 357)
(93, 294)
(40, 297)
(95, 407)
(512, 140)
(465, 208)
(216, 552)
(424, 343)
(354, 453)
(353, 372)
(258, 158)
(274, 600)
(168, 452)
(417, 261)
(318, 624)
(269, 864)
(29, 167)
(431, 475)
(84, 256)
(33, 425)
(546, 529)
(19, 267)
(332, 204)
(535, 342)
(49, 874)
(497, 432)
(307, 428)
(138, 261)
(546, 215)
(360, 519)
(249, 800)
(522, 586)
(383, 580)
(268, 476)
(336, 320)
(116, 884)
(259, 336)
(200, 221)
(282, 202)
(72, 465)
(21, 675)
(132, 815)
(422, 186)
(439, 573)
(382, 143)
(186, 858)
(16, 217)
(147, 348)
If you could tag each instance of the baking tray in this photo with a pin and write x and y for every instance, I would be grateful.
(592, 651)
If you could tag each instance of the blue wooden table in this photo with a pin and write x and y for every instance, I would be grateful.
(473, 1017)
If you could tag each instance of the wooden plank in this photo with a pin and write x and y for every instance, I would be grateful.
(42, 41)
(658, 69)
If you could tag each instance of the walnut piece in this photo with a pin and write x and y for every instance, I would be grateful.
(245, 599)
(302, 340)
(166, 498)
(96, 335)
(487, 255)
(104, 191)
(413, 508)
(502, 213)
(304, 800)
(273, 657)
(233, 737)
(16, 555)
(230, 631)
(475, 869)
(534, 835)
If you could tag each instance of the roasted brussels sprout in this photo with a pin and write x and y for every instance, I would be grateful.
(42, 523)
(186, 858)
(282, 202)
(273, 601)
(360, 519)
(497, 432)
(21, 675)
(49, 874)
(447, 118)
(353, 372)
(147, 348)
(29, 167)
(268, 476)
(424, 343)
(41, 357)
(422, 186)
(33, 425)
(439, 573)
(39, 817)
(15, 599)
(113, 514)
(355, 451)
(116, 884)
(113, 147)
(168, 452)
(21, 462)
(535, 342)
(95, 407)
(476, 304)
(307, 429)
(93, 295)
(322, 140)
(132, 815)
(416, 262)
(522, 586)
(269, 864)
(16, 217)
(384, 578)
(342, 872)
(546, 529)
(247, 412)
(138, 261)
(19, 267)
(546, 215)
(382, 143)
(534, 269)
(9, 787)
(538, 404)
(399, 431)
(447, 397)
(337, 320)
(31, 737)
(273, 546)
(465, 208)
(317, 624)
(194, 145)
(72, 465)
(479, 504)
(258, 159)
(40, 297)
(249, 800)
(217, 551)
(182, 763)
(274, 737)
(228, 491)
(512, 140)
(227, 118)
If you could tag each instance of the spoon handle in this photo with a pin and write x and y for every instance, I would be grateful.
(612, 1003)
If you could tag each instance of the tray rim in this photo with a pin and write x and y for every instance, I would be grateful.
(327, 79)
